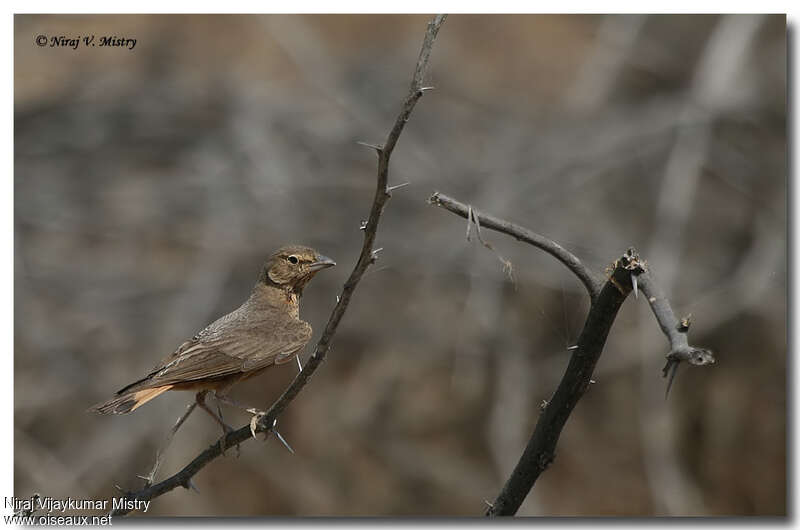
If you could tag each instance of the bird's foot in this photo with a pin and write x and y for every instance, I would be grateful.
(257, 415)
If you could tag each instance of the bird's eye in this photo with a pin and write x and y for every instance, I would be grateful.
(293, 260)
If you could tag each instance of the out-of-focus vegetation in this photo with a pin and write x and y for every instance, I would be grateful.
(151, 183)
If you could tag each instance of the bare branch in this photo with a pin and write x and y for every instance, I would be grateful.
(366, 258)
(675, 330)
(629, 273)
(522, 234)
(540, 451)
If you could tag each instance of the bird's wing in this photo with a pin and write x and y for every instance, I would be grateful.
(227, 347)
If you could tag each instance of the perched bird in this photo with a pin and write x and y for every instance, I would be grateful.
(265, 330)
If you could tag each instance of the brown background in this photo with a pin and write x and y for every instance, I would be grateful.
(151, 183)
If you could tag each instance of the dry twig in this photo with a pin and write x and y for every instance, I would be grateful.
(522, 234)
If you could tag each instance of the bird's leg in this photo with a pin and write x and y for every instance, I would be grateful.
(257, 414)
(219, 414)
(150, 477)
(225, 430)
(200, 398)
(233, 403)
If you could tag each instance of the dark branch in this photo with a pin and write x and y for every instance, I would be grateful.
(540, 450)
(366, 258)
(522, 234)
(629, 273)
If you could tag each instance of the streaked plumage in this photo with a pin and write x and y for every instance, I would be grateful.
(264, 330)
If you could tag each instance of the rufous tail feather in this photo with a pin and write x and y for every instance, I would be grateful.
(130, 401)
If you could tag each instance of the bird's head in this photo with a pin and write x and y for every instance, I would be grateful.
(292, 267)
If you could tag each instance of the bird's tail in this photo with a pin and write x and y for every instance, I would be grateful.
(130, 401)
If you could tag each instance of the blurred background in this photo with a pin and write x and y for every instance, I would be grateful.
(150, 184)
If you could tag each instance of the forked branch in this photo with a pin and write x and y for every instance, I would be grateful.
(628, 274)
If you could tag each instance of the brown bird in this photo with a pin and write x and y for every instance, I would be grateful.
(265, 330)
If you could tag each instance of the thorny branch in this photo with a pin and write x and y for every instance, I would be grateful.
(628, 274)
(366, 258)
(675, 330)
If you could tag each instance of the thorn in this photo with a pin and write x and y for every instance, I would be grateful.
(284, 442)
(635, 283)
(190, 485)
(489, 504)
(427, 89)
(376, 147)
(147, 479)
(278, 435)
(119, 488)
(672, 369)
(363, 225)
(299, 365)
(392, 188)
(543, 405)
(574, 347)
(592, 381)
(477, 225)
(375, 254)
(469, 220)
(337, 298)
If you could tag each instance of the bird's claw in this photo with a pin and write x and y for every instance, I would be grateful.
(257, 415)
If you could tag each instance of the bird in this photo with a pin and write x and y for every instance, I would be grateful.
(265, 330)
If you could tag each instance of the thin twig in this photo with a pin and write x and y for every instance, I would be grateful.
(522, 234)
(675, 330)
(366, 258)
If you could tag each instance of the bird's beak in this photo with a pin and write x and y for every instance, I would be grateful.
(323, 262)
